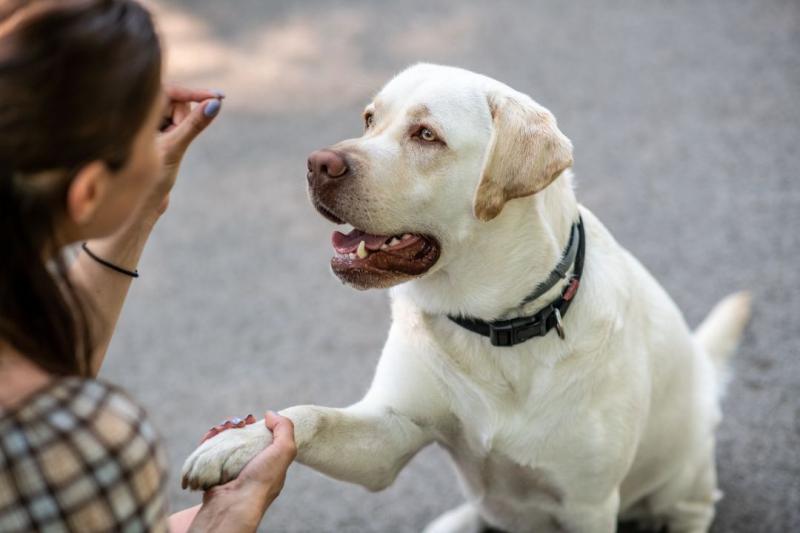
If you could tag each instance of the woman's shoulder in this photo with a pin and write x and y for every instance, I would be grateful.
(73, 404)
(87, 452)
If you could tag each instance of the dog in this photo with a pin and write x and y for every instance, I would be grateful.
(460, 194)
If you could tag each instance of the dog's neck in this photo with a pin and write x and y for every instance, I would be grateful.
(504, 260)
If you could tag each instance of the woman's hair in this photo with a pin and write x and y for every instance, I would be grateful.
(77, 80)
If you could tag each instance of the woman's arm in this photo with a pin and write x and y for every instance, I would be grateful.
(106, 287)
(180, 521)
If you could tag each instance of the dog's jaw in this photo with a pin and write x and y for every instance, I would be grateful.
(411, 258)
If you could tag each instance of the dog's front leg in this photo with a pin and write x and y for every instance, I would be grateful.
(367, 443)
(362, 444)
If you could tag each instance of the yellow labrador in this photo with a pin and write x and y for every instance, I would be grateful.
(552, 367)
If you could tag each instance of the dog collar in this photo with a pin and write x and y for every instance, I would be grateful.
(518, 330)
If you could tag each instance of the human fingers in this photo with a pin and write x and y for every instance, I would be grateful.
(230, 423)
(268, 469)
(181, 136)
(179, 93)
(282, 430)
(174, 115)
(182, 110)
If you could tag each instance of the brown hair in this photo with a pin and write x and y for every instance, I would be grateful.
(77, 80)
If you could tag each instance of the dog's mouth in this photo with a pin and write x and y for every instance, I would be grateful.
(367, 260)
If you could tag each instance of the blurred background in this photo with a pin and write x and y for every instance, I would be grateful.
(685, 118)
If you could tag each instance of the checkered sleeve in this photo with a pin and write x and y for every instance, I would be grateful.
(80, 456)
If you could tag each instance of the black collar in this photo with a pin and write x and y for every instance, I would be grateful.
(517, 330)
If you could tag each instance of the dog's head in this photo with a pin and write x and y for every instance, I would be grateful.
(443, 150)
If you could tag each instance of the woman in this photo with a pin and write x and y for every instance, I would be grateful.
(90, 145)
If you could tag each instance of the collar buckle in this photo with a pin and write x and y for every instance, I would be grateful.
(516, 331)
(559, 324)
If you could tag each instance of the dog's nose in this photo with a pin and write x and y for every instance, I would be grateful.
(325, 164)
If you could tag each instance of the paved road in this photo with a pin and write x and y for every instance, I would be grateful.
(686, 123)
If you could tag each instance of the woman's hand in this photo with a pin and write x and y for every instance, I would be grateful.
(240, 504)
(266, 472)
(187, 113)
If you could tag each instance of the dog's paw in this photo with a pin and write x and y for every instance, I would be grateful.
(221, 458)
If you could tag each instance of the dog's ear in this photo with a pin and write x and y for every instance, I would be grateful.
(525, 154)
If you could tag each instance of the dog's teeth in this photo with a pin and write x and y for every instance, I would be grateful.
(384, 246)
(362, 250)
(351, 255)
(394, 241)
(406, 236)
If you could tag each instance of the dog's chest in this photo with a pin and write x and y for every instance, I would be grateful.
(517, 427)
(495, 475)
(505, 404)
(514, 496)
(499, 444)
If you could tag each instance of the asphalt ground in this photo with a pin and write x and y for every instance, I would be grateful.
(685, 118)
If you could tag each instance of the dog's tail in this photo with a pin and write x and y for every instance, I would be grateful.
(719, 334)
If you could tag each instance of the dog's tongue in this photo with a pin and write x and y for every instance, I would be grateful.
(346, 244)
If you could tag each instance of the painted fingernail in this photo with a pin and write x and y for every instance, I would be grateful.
(212, 108)
(236, 420)
(220, 94)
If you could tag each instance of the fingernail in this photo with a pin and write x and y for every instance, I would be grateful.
(211, 109)
(220, 94)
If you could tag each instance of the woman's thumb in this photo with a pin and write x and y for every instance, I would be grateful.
(201, 116)
(282, 430)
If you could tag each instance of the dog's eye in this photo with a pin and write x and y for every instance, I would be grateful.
(427, 135)
(368, 120)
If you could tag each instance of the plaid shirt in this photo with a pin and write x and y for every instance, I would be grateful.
(79, 455)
